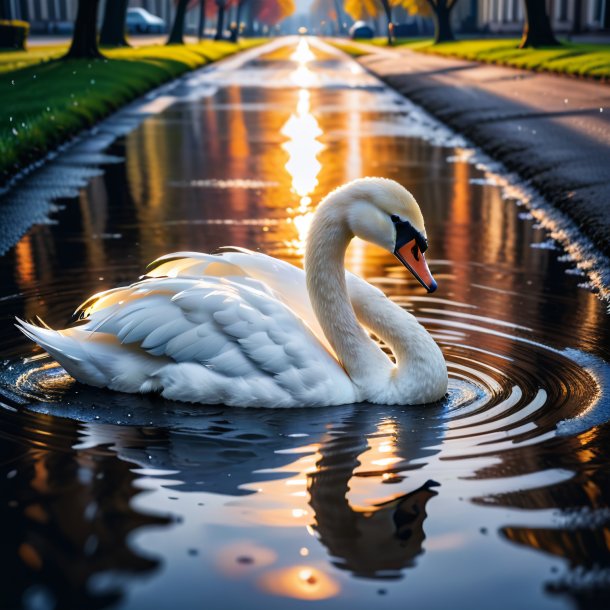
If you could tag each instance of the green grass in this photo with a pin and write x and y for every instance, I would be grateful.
(47, 102)
(589, 60)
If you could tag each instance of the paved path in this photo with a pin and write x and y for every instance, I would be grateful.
(552, 130)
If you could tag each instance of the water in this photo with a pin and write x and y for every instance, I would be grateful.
(497, 497)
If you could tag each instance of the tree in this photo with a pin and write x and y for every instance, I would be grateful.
(443, 31)
(221, 5)
(177, 34)
(271, 12)
(201, 24)
(235, 31)
(6, 10)
(113, 25)
(84, 39)
(537, 31)
(387, 9)
(339, 16)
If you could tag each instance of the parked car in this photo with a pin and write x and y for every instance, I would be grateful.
(139, 20)
(361, 29)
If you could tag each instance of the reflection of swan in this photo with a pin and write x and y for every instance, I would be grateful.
(240, 328)
(378, 538)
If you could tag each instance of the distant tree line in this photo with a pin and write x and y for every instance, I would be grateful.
(112, 34)
(537, 31)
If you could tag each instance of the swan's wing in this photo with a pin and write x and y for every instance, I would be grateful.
(286, 281)
(232, 331)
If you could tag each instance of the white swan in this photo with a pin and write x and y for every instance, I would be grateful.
(245, 329)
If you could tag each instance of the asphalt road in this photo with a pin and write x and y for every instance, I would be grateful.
(552, 130)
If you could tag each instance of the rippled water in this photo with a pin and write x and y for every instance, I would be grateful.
(497, 497)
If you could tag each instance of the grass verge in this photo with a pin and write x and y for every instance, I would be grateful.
(588, 60)
(47, 102)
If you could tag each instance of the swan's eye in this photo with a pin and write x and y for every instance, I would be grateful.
(395, 218)
(415, 252)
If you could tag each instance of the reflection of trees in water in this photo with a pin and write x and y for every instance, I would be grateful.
(66, 517)
(587, 550)
(580, 534)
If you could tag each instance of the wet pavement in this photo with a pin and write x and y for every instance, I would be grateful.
(497, 497)
(552, 130)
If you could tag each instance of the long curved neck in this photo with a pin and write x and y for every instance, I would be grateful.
(420, 374)
(327, 242)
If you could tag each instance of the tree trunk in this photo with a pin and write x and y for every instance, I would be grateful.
(221, 18)
(577, 20)
(238, 12)
(442, 18)
(113, 26)
(537, 31)
(387, 9)
(177, 34)
(201, 25)
(6, 10)
(340, 26)
(84, 39)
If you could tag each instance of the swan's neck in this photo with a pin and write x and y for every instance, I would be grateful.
(420, 374)
(327, 242)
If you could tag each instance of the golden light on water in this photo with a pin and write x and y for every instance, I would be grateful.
(300, 582)
(303, 147)
(302, 131)
(377, 463)
(303, 76)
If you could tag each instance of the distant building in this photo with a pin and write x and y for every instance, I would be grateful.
(58, 15)
(567, 16)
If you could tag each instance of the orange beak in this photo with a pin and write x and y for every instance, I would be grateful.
(414, 260)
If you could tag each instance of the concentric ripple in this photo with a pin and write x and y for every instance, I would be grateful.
(506, 390)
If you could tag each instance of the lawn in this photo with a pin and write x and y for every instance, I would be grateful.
(46, 102)
(590, 60)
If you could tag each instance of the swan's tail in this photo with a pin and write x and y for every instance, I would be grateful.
(66, 349)
(97, 359)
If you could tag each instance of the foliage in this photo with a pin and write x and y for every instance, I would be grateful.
(271, 12)
(414, 7)
(46, 104)
(362, 9)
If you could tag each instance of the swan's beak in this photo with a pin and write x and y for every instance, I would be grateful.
(414, 260)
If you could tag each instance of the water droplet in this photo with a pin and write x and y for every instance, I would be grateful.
(92, 81)
(15, 132)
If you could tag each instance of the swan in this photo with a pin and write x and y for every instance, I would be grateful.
(245, 329)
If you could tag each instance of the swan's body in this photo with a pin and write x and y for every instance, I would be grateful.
(245, 329)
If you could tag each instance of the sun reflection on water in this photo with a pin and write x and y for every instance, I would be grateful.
(303, 147)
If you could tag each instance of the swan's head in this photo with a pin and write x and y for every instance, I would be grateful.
(385, 213)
